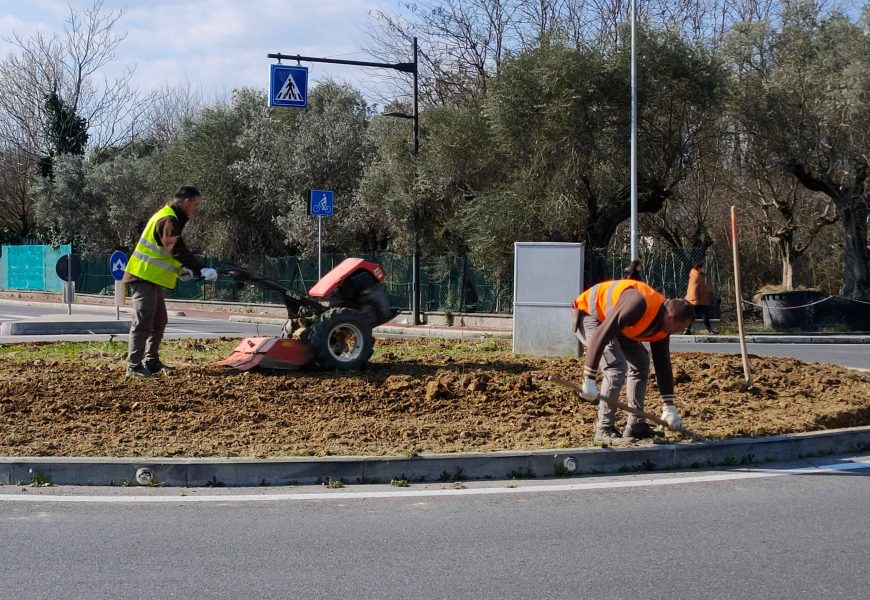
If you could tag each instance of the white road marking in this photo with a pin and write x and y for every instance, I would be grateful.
(862, 463)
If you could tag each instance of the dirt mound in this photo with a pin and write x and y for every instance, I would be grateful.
(416, 396)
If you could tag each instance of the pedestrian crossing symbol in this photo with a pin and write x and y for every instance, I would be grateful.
(288, 86)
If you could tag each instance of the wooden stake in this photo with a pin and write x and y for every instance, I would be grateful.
(739, 298)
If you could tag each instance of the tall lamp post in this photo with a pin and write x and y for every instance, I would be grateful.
(633, 166)
(410, 67)
(415, 259)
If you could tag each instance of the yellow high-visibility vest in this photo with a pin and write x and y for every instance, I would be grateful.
(151, 261)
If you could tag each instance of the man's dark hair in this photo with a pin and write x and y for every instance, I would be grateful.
(681, 310)
(185, 192)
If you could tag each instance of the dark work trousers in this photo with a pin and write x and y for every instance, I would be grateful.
(702, 311)
(623, 359)
(149, 322)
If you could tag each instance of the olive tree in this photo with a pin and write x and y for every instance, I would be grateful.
(810, 112)
(322, 147)
(560, 121)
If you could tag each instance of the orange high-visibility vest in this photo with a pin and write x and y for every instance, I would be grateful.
(597, 300)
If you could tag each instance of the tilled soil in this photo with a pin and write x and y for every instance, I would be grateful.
(415, 397)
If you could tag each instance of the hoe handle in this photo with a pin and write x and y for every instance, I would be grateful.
(623, 406)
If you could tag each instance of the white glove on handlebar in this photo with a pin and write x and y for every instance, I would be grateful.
(589, 392)
(670, 414)
(208, 274)
(186, 274)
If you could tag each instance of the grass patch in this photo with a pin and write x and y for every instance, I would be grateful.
(111, 352)
(522, 473)
(446, 350)
(40, 479)
(331, 483)
(749, 329)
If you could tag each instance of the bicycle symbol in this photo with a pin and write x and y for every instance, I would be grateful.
(321, 203)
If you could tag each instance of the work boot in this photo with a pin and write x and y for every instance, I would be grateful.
(606, 434)
(138, 371)
(639, 430)
(155, 366)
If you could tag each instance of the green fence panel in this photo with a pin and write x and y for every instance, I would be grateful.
(31, 267)
(454, 283)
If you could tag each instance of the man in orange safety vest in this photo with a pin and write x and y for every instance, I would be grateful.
(612, 319)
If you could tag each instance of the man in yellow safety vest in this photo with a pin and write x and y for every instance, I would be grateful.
(159, 260)
(612, 319)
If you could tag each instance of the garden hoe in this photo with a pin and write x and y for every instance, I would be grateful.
(621, 405)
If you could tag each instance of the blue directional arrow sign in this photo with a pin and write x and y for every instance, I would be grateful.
(117, 264)
(320, 203)
(288, 86)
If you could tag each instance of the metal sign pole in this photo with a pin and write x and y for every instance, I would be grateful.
(119, 290)
(406, 67)
(319, 256)
(69, 281)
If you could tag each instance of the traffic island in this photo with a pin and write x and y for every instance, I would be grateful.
(418, 404)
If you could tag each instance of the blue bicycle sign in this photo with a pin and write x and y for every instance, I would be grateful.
(320, 203)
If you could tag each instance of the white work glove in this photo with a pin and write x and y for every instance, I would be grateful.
(208, 274)
(589, 391)
(670, 414)
(186, 274)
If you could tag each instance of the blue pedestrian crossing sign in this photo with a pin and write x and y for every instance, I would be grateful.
(288, 86)
(117, 264)
(320, 203)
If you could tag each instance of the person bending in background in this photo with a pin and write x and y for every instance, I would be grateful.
(159, 260)
(612, 319)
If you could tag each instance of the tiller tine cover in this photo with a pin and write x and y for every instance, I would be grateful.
(268, 353)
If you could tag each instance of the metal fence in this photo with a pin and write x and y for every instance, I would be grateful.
(665, 270)
(445, 283)
(454, 283)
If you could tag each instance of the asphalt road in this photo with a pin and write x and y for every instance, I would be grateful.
(791, 536)
(178, 327)
(856, 356)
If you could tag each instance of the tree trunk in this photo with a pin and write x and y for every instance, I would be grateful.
(789, 258)
(853, 212)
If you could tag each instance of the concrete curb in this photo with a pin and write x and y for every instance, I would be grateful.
(444, 333)
(774, 339)
(63, 327)
(195, 472)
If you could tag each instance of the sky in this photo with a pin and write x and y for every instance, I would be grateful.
(219, 45)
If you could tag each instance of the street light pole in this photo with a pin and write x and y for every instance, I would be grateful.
(415, 262)
(633, 165)
(410, 67)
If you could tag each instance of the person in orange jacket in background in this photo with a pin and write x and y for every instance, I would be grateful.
(612, 319)
(699, 295)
